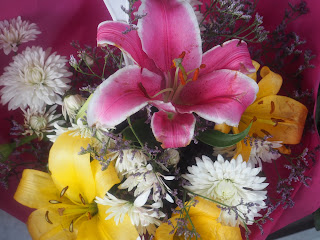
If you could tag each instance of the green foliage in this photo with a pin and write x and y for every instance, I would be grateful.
(316, 218)
(218, 139)
(139, 131)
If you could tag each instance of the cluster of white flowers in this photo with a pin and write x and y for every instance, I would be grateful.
(34, 79)
(234, 183)
(263, 150)
(141, 178)
(146, 180)
(14, 32)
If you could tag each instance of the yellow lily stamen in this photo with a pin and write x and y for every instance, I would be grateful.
(82, 199)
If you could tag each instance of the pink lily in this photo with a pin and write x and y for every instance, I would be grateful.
(172, 74)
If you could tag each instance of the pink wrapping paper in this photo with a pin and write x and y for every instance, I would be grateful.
(63, 21)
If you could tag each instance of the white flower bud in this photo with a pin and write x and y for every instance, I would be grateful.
(71, 105)
(174, 156)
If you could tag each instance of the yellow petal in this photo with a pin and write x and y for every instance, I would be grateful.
(69, 169)
(254, 75)
(222, 128)
(100, 229)
(281, 117)
(284, 150)
(244, 150)
(90, 230)
(209, 228)
(40, 229)
(270, 83)
(164, 230)
(104, 180)
(36, 189)
(204, 218)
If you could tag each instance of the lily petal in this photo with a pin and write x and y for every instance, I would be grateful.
(281, 117)
(170, 28)
(40, 229)
(110, 32)
(220, 97)
(121, 95)
(104, 179)
(36, 189)
(114, 8)
(270, 83)
(233, 55)
(256, 66)
(92, 230)
(173, 129)
(125, 230)
(204, 218)
(69, 169)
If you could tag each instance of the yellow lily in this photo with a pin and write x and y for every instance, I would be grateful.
(65, 199)
(204, 218)
(281, 117)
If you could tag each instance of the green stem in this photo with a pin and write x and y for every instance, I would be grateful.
(134, 133)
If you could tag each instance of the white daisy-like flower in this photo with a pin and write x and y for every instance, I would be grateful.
(263, 150)
(130, 160)
(40, 122)
(234, 183)
(146, 180)
(34, 79)
(145, 219)
(71, 105)
(14, 32)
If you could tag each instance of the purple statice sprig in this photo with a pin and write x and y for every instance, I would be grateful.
(91, 65)
(131, 11)
(228, 19)
(184, 219)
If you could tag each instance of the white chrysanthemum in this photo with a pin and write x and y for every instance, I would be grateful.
(263, 150)
(40, 122)
(14, 32)
(130, 160)
(233, 183)
(146, 180)
(35, 78)
(71, 105)
(144, 218)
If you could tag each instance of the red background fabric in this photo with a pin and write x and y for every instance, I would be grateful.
(63, 21)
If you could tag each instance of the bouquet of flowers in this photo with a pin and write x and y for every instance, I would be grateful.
(185, 122)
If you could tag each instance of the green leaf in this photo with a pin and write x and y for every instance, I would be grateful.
(83, 109)
(7, 148)
(143, 132)
(219, 139)
(316, 218)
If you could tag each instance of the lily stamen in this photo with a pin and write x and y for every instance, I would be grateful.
(63, 191)
(71, 226)
(47, 217)
(182, 80)
(82, 199)
(195, 75)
